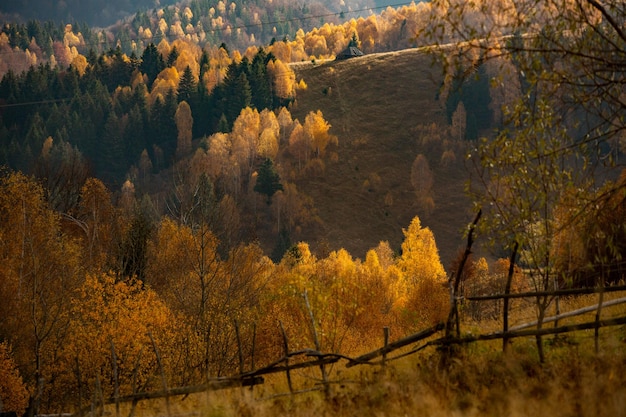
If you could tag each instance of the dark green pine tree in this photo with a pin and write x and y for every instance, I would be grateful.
(119, 70)
(110, 162)
(235, 93)
(203, 125)
(162, 127)
(187, 87)
(471, 86)
(260, 82)
(151, 63)
(135, 137)
(238, 96)
(476, 98)
(283, 243)
(222, 124)
(134, 246)
(268, 180)
(172, 57)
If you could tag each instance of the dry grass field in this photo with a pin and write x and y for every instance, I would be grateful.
(374, 103)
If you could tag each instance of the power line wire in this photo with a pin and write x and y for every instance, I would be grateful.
(30, 103)
(246, 26)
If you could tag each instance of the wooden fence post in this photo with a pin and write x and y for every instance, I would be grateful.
(386, 340)
(239, 348)
(453, 317)
(163, 379)
(80, 387)
(253, 348)
(286, 349)
(507, 291)
(116, 382)
(318, 346)
(98, 398)
(134, 382)
(598, 314)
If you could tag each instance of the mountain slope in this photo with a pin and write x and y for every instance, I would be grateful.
(374, 104)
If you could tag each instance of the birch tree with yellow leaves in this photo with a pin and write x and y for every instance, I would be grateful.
(424, 276)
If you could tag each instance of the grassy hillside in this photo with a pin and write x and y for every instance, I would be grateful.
(374, 103)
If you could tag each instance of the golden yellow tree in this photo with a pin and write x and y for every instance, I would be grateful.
(420, 257)
(316, 131)
(424, 275)
(298, 145)
(117, 331)
(270, 134)
(284, 79)
(184, 124)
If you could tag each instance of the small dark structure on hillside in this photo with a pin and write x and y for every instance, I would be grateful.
(352, 51)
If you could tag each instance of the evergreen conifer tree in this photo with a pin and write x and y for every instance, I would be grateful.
(268, 180)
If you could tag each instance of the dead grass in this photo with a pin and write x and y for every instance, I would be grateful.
(373, 104)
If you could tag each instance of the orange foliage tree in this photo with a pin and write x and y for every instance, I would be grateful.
(424, 275)
(316, 131)
(40, 271)
(116, 332)
(13, 392)
(184, 124)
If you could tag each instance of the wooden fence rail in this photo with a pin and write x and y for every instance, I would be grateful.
(565, 292)
(390, 347)
(213, 385)
(572, 313)
(534, 332)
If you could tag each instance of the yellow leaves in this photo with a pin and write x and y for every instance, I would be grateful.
(80, 63)
(282, 51)
(121, 316)
(12, 389)
(268, 144)
(175, 253)
(315, 129)
(166, 81)
(184, 124)
(69, 38)
(420, 256)
(188, 56)
(40, 269)
(218, 153)
(96, 219)
(283, 77)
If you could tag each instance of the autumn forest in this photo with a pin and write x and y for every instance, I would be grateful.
(185, 187)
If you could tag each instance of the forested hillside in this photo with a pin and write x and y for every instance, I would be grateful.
(150, 120)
